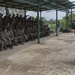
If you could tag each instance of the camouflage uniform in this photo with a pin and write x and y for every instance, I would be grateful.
(24, 36)
(20, 38)
(3, 38)
(11, 35)
(8, 40)
(15, 37)
(1, 43)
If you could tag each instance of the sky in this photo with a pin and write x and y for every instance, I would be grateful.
(49, 14)
(71, 0)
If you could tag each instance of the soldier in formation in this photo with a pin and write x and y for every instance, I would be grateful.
(16, 30)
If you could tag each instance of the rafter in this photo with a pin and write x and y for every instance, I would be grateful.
(43, 4)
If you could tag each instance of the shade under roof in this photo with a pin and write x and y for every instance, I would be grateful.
(32, 4)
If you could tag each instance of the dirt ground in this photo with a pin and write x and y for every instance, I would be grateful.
(54, 56)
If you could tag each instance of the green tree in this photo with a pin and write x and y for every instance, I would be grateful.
(63, 21)
(42, 19)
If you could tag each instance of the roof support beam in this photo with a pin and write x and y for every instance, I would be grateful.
(71, 19)
(38, 23)
(56, 22)
(43, 4)
(26, 2)
(66, 18)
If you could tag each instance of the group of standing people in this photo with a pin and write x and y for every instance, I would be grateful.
(16, 30)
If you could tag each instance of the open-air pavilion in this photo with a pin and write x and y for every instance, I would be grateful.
(41, 5)
(53, 56)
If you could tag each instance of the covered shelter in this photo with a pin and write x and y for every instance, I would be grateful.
(41, 5)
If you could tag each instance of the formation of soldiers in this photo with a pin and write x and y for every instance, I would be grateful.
(18, 30)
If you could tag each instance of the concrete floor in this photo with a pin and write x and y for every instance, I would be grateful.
(54, 56)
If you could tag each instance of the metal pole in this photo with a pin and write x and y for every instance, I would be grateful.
(56, 22)
(40, 15)
(71, 17)
(66, 19)
(38, 24)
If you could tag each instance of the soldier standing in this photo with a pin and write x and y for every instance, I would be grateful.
(11, 35)
(1, 21)
(1, 42)
(3, 38)
(7, 37)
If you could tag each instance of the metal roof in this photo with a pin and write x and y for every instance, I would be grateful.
(32, 4)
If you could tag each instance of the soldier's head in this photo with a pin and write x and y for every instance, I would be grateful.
(8, 24)
(12, 23)
(17, 15)
(5, 30)
(10, 29)
(15, 30)
(13, 15)
(20, 15)
(9, 15)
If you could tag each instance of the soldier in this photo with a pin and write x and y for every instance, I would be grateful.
(11, 35)
(8, 40)
(23, 25)
(47, 30)
(1, 42)
(34, 32)
(13, 22)
(13, 16)
(31, 34)
(8, 26)
(13, 26)
(28, 32)
(16, 21)
(1, 21)
(17, 18)
(9, 18)
(20, 26)
(15, 37)
(20, 38)
(20, 18)
(3, 38)
(44, 31)
(24, 36)
(41, 31)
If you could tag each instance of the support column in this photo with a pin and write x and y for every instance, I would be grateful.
(38, 23)
(71, 17)
(40, 15)
(56, 22)
(66, 19)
